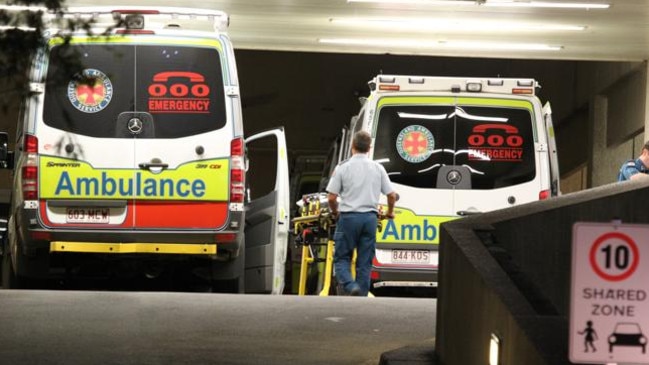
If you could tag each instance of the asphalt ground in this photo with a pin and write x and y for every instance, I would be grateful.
(116, 327)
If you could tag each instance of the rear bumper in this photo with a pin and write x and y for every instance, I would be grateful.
(403, 277)
(36, 237)
(134, 248)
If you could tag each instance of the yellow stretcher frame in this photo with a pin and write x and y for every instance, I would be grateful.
(308, 259)
(313, 215)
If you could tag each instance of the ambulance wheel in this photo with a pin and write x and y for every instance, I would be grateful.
(229, 277)
(235, 286)
(9, 278)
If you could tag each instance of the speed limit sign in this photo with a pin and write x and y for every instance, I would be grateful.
(609, 307)
(614, 256)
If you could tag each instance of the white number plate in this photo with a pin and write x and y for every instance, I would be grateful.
(411, 256)
(87, 215)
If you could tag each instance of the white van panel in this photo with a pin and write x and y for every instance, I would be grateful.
(178, 151)
(98, 152)
(425, 201)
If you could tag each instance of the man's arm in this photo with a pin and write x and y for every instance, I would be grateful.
(392, 199)
(638, 175)
(333, 204)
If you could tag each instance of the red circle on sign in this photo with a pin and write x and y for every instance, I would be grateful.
(632, 267)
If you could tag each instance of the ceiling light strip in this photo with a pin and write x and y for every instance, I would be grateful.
(494, 3)
(419, 2)
(455, 25)
(546, 4)
(22, 8)
(410, 43)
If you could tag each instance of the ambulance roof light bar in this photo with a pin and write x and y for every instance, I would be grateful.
(454, 84)
(219, 19)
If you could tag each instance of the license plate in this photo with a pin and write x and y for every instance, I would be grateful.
(87, 215)
(410, 256)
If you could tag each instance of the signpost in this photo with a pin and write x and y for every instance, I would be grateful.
(609, 311)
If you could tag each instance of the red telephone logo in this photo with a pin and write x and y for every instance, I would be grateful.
(481, 135)
(179, 90)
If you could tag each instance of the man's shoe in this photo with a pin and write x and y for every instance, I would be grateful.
(355, 292)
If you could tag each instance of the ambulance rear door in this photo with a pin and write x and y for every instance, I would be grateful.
(555, 187)
(497, 142)
(86, 170)
(267, 213)
(183, 137)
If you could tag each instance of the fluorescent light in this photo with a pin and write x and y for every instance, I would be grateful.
(494, 350)
(24, 29)
(422, 116)
(545, 4)
(418, 2)
(22, 8)
(499, 3)
(411, 43)
(455, 25)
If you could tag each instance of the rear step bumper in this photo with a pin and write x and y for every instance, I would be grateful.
(130, 248)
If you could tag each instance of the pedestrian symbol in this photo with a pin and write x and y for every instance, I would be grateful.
(589, 336)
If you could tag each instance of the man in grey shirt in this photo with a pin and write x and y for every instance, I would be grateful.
(359, 182)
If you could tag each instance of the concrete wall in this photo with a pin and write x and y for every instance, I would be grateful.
(508, 272)
(602, 88)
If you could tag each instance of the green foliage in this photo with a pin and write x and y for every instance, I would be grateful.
(21, 35)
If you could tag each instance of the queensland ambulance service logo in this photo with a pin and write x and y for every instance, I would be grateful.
(415, 143)
(90, 91)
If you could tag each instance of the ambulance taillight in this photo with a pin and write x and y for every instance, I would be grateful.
(29, 171)
(237, 172)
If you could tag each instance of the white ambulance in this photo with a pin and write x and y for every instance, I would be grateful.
(130, 152)
(452, 147)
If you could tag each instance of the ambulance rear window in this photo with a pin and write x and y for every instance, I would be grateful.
(495, 143)
(92, 89)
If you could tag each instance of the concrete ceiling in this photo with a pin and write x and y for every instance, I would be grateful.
(620, 33)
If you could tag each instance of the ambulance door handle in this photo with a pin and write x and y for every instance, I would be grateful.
(150, 165)
(464, 213)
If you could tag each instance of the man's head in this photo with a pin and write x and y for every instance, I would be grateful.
(362, 142)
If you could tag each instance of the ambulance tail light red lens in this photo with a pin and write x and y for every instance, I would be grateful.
(226, 237)
(374, 275)
(523, 91)
(136, 11)
(237, 172)
(544, 194)
(41, 236)
(134, 31)
(389, 87)
(29, 173)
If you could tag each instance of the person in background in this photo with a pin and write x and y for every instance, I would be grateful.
(638, 168)
(359, 182)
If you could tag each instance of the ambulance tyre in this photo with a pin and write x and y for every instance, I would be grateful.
(233, 274)
(9, 278)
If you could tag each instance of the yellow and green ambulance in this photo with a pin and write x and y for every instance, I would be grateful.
(130, 152)
(452, 147)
